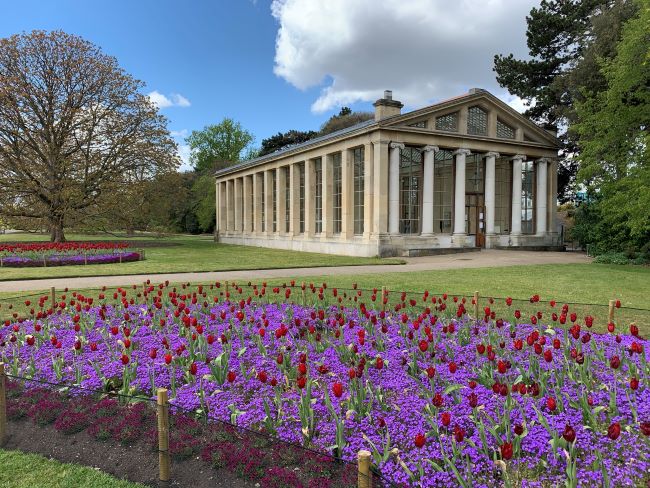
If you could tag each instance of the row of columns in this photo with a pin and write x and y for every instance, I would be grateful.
(459, 191)
(240, 200)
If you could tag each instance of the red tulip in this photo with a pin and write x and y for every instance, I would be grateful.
(645, 428)
(613, 431)
(569, 434)
(168, 358)
(452, 367)
(459, 434)
(445, 418)
(125, 359)
(231, 376)
(302, 381)
(337, 389)
(424, 345)
(193, 369)
(614, 362)
(550, 404)
(634, 383)
(506, 451)
(420, 440)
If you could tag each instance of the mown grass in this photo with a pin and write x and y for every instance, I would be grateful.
(589, 285)
(21, 470)
(181, 254)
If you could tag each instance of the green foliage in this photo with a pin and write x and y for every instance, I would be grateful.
(614, 138)
(345, 119)
(218, 146)
(285, 139)
(566, 41)
(612, 258)
(204, 198)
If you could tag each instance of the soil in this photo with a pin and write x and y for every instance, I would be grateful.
(136, 463)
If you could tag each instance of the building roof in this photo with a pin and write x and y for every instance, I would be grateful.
(294, 147)
(474, 93)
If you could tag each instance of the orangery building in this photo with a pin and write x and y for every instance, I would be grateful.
(469, 172)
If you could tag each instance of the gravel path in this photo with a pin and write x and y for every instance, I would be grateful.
(483, 259)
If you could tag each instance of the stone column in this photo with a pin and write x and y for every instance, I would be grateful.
(327, 199)
(294, 189)
(347, 194)
(268, 201)
(368, 189)
(490, 191)
(427, 190)
(541, 196)
(230, 204)
(248, 204)
(380, 183)
(280, 189)
(217, 202)
(459, 195)
(515, 227)
(552, 198)
(393, 188)
(238, 205)
(310, 197)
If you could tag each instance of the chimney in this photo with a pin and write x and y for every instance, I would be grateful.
(387, 107)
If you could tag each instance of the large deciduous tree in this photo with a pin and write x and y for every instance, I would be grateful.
(218, 146)
(566, 39)
(74, 128)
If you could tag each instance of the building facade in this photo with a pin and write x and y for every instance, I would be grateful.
(466, 172)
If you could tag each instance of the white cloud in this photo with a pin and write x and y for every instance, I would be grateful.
(173, 100)
(424, 50)
(184, 154)
(183, 133)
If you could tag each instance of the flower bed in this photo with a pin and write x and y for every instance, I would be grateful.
(66, 254)
(438, 397)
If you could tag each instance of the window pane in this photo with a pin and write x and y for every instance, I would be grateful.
(448, 122)
(410, 176)
(527, 197)
(301, 169)
(502, 190)
(287, 198)
(274, 188)
(358, 155)
(318, 171)
(443, 192)
(337, 193)
(477, 121)
(505, 131)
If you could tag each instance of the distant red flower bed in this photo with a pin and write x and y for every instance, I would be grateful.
(60, 246)
(33, 254)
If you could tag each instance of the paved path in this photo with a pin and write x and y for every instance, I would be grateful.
(484, 259)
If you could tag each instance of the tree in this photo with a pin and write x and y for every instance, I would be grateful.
(283, 140)
(565, 39)
(346, 118)
(73, 126)
(615, 145)
(218, 146)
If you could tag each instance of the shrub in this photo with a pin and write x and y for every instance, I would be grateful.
(612, 258)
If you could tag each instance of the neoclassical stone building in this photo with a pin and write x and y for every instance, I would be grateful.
(466, 172)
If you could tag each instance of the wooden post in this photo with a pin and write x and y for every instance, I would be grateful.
(476, 305)
(53, 297)
(304, 293)
(383, 294)
(610, 316)
(363, 461)
(3, 404)
(163, 435)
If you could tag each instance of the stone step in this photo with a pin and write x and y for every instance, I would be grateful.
(437, 251)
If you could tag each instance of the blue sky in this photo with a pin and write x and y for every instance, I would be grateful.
(286, 64)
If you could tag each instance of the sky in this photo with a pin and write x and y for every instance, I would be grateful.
(276, 65)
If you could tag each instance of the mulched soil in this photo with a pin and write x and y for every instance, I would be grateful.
(135, 463)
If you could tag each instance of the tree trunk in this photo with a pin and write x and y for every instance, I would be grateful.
(56, 229)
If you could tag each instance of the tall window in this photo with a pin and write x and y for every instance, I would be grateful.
(476, 121)
(410, 178)
(527, 186)
(263, 202)
(287, 198)
(318, 204)
(274, 189)
(358, 155)
(502, 190)
(474, 177)
(337, 193)
(443, 192)
(242, 200)
(448, 122)
(301, 169)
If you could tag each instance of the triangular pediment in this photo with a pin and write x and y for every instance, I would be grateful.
(478, 113)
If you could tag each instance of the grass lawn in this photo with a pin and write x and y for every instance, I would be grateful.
(590, 284)
(179, 254)
(21, 470)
